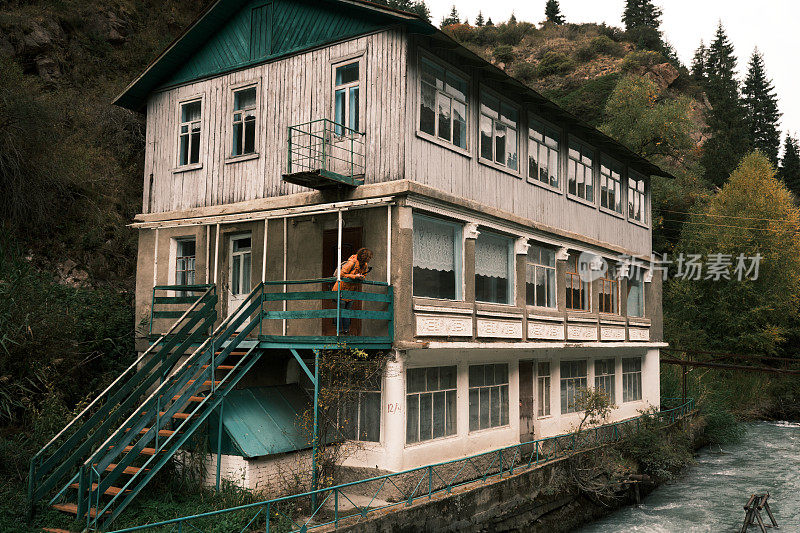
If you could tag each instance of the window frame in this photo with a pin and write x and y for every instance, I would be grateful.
(360, 394)
(583, 145)
(243, 86)
(644, 198)
(574, 380)
(179, 123)
(641, 282)
(537, 266)
(335, 63)
(611, 281)
(179, 241)
(424, 55)
(504, 417)
(605, 377)
(569, 277)
(626, 376)
(510, 269)
(613, 165)
(540, 390)
(559, 159)
(418, 394)
(458, 254)
(231, 254)
(501, 100)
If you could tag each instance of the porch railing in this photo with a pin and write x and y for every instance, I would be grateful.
(327, 148)
(337, 505)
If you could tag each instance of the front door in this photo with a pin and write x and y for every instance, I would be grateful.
(240, 267)
(526, 417)
(351, 242)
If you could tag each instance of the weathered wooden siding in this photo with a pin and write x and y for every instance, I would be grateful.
(463, 175)
(293, 90)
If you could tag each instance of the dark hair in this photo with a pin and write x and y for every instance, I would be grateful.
(364, 255)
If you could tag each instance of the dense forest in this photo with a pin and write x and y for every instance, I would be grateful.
(71, 167)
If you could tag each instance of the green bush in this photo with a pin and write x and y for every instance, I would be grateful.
(660, 453)
(641, 58)
(554, 63)
(524, 71)
(589, 100)
(504, 53)
(606, 46)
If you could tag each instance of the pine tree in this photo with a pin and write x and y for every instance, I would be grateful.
(451, 19)
(641, 14)
(479, 20)
(699, 63)
(726, 119)
(417, 7)
(553, 12)
(790, 165)
(489, 22)
(512, 19)
(761, 105)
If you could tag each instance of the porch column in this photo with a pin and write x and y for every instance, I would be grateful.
(394, 413)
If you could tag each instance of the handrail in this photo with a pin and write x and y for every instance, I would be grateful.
(113, 385)
(682, 410)
(326, 280)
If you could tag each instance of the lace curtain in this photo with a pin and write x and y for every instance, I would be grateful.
(491, 256)
(433, 245)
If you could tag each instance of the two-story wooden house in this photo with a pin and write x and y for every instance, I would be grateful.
(284, 135)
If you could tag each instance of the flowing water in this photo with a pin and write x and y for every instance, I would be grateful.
(709, 496)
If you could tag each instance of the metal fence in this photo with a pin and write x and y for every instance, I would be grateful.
(331, 149)
(343, 504)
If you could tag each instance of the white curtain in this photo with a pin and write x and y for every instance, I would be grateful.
(433, 245)
(491, 256)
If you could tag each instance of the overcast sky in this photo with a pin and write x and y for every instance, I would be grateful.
(772, 25)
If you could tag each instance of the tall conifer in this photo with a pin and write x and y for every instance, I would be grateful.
(479, 19)
(552, 11)
(761, 105)
(699, 63)
(790, 165)
(726, 120)
(641, 14)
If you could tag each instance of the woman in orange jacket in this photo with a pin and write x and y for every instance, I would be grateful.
(355, 268)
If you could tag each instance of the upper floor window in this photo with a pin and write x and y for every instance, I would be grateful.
(443, 104)
(543, 153)
(437, 258)
(488, 396)
(493, 273)
(540, 277)
(635, 296)
(577, 289)
(609, 293)
(637, 206)
(346, 97)
(611, 185)
(244, 121)
(499, 126)
(185, 262)
(580, 176)
(189, 133)
(430, 403)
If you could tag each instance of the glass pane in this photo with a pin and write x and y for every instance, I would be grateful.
(416, 380)
(425, 416)
(474, 408)
(432, 382)
(237, 138)
(499, 143)
(443, 105)
(412, 418)
(494, 407)
(427, 115)
(184, 150)
(486, 137)
(509, 114)
(504, 405)
(447, 377)
(353, 123)
(511, 147)
(244, 99)
(490, 106)
(456, 86)
(194, 156)
(246, 273)
(347, 73)
(339, 108)
(371, 416)
(438, 414)
(459, 124)
(476, 375)
(485, 406)
(450, 409)
(191, 111)
(235, 279)
(250, 134)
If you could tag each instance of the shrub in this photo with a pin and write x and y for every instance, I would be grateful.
(486, 35)
(512, 34)
(589, 100)
(460, 32)
(585, 52)
(641, 58)
(554, 63)
(524, 71)
(660, 454)
(504, 54)
(604, 45)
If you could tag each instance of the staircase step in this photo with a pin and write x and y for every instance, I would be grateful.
(206, 383)
(110, 491)
(182, 416)
(191, 398)
(72, 508)
(234, 352)
(55, 530)
(145, 451)
(130, 470)
(161, 432)
(220, 367)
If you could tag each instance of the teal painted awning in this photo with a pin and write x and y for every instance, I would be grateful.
(261, 421)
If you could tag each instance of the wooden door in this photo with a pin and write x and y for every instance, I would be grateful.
(351, 242)
(526, 415)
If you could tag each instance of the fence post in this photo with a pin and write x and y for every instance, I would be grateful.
(289, 160)
(537, 452)
(266, 529)
(430, 481)
(219, 442)
(335, 507)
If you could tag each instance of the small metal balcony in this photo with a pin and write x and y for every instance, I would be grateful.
(324, 155)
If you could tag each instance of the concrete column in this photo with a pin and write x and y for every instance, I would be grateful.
(618, 381)
(651, 378)
(402, 252)
(462, 398)
(513, 396)
(555, 386)
(394, 413)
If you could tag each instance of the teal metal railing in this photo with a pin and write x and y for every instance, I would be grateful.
(323, 146)
(151, 429)
(168, 303)
(58, 460)
(335, 506)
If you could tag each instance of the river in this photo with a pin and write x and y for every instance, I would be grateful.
(709, 496)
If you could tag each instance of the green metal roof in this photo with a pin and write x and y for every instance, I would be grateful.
(261, 421)
(235, 34)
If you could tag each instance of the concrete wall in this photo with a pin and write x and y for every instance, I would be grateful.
(272, 476)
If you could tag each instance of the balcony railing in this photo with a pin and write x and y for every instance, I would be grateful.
(324, 154)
